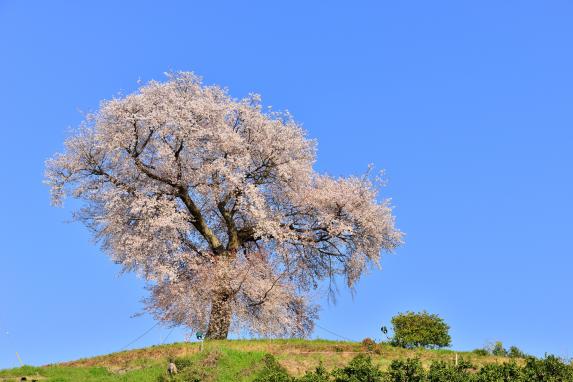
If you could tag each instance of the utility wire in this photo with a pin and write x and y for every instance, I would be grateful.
(141, 336)
(171, 331)
(167, 336)
(331, 332)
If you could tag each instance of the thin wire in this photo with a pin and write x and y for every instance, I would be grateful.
(167, 336)
(140, 337)
(331, 332)
(171, 331)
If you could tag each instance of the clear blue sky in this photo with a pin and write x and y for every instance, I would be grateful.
(466, 104)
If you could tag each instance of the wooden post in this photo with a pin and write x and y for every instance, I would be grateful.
(19, 359)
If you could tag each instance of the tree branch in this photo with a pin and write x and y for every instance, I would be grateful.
(199, 222)
(234, 242)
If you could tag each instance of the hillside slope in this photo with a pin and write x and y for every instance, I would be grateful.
(238, 360)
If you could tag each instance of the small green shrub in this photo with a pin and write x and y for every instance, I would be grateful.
(273, 371)
(369, 344)
(449, 372)
(183, 363)
(318, 375)
(515, 352)
(505, 372)
(499, 350)
(480, 352)
(420, 330)
(192, 370)
(548, 369)
(358, 370)
(409, 370)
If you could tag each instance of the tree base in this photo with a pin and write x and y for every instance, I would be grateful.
(220, 318)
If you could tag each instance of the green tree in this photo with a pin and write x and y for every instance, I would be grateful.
(420, 330)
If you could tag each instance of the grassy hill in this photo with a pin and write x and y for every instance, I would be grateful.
(238, 360)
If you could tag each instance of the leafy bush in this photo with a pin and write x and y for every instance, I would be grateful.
(318, 375)
(369, 344)
(498, 349)
(420, 329)
(481, 351)
(449, 372)
(515, 352)
(183, 363)
(409, 370)
(185, 372)
(273, 371)
(548, 369)
(359, 369)
(506, 372)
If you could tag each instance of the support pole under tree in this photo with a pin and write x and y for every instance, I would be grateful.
(200, 339)
(19, 359)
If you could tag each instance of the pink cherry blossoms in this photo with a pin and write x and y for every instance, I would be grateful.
(215, 202)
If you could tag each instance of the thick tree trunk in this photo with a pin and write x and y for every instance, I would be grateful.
(221, 309)
(220, 318)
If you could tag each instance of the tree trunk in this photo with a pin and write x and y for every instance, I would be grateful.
(221, 309)
(220, 318)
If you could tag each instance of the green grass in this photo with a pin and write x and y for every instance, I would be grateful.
(68, 373)
(226, 361)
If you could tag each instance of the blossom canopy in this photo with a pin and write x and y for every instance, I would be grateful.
(215, 202)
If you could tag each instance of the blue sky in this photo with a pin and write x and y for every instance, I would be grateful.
(467, 105)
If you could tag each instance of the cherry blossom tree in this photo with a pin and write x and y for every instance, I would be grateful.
(214, 201)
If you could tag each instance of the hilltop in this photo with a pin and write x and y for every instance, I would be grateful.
(236, 360)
